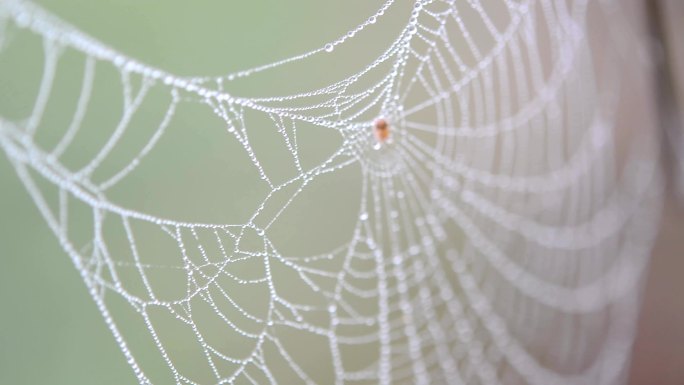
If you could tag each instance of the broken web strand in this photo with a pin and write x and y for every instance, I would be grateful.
(411, 192)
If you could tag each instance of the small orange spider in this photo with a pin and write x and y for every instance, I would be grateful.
(381, 130)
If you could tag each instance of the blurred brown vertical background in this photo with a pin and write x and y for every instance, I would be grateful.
(659, 348)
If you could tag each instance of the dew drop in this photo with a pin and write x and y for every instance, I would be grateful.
(23, 20)
(119, 61)
(329, 47)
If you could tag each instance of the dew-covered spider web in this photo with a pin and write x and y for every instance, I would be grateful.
(251, 228)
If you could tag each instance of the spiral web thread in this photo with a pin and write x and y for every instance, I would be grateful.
(500, 238)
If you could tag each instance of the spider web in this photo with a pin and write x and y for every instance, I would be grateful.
(498, 237)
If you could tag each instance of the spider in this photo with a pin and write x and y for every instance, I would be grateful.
(381, 130)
